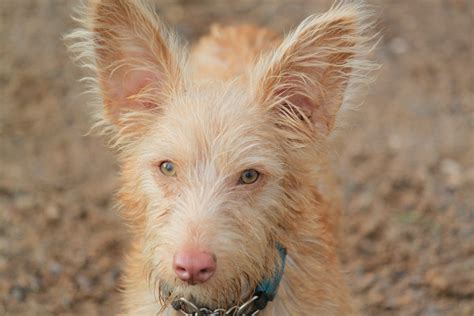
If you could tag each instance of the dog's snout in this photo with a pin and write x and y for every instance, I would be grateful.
(194, 266)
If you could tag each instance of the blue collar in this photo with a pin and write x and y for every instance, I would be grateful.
(267, 289)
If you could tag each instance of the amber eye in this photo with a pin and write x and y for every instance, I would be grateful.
(168, 168)
(249, 176)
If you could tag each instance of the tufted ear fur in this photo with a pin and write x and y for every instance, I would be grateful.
(132, 55)
(306, 77)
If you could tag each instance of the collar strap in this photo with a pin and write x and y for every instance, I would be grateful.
(264, 292)
(267, 289)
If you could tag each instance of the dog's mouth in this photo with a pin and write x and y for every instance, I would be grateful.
(206, 297)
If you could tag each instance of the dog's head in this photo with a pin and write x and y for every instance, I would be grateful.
(215, 173)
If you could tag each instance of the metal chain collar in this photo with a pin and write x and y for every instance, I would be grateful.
(189, 309)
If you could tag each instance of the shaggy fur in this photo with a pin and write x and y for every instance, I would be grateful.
(244, 98)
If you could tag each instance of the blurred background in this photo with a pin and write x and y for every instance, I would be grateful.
(406, 166)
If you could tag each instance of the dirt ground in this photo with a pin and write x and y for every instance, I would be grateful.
(406, 166)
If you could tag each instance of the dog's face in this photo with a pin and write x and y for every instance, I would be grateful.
(216, 170)
(212, 172)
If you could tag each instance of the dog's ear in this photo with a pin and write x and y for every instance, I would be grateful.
(135, 64)
(305, 78)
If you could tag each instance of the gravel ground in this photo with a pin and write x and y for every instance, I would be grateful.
(406, 166)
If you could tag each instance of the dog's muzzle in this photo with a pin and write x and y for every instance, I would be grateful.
(264, 293)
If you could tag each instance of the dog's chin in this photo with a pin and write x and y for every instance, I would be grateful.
(211, 295)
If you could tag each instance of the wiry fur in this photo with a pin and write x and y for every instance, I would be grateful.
(267, 104)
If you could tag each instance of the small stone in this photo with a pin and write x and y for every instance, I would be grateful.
(431, 310)
(4, 244)
(416, 280)
(24, 202)
(52, 212)
(468, 177)
(55, 268)
(398, 45)
(35, 283)
(366, 282)
(3, 264)
(19, 293)
(375, 296)
(67, 302)
(395, 142)
(436, 280)
(403, 300)
(111, 277)
(452, 171)
(84, 282)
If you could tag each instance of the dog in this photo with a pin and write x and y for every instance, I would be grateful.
(224, 157)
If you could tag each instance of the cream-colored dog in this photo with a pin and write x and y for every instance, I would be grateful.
(223, 157)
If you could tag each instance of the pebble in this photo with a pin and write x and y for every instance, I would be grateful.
(84, 282)
(398, 45)
(55, 268)
(469, 176)
(431, 310)
(365, 283)
(436, 280)
(3, 264)
(35, 283)
(52, 212)
(19, 293)
(395, 142)
(452, 171)
(24, 201)
(4, 244)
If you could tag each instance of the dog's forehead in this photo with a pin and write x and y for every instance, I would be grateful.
(222, 125)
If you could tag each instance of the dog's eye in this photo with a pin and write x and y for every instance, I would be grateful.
(168, 168)
(249, 176)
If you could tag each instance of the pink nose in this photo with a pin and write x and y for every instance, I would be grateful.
(194, 266)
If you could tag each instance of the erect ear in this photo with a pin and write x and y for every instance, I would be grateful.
(136, 66)
(306, 77)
